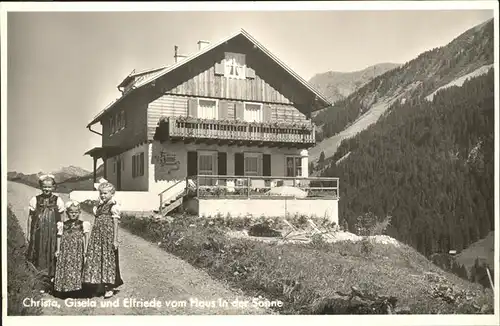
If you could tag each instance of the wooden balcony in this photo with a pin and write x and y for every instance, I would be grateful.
(232, 131)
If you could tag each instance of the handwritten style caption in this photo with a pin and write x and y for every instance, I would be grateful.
(154, 303)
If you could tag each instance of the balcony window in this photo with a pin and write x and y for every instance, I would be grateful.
(234, 65)
(293, 166)
(253, 112)
(207, 109)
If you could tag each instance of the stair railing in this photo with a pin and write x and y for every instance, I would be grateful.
(161, 194)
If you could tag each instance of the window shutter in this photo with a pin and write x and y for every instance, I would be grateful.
(192, 164)
(250, 73)
(266, 168)
(222, 163)
(240, 111)
(266, 115)
(239, 164)
(141, 164)
(223, 110)
(133, 166)
(193, 107)
(219, 68)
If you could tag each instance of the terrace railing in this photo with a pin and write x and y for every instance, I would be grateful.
(184, 127)
(224, 186)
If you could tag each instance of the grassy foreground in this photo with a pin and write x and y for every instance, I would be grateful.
(306, 277)
(21, 278)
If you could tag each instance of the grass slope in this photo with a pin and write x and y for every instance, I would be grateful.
(21, 278)
(306, 277)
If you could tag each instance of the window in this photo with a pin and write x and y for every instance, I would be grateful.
(252, 164)
(138, 165)
(293, 166)
(121, 120)
(117, 122)
(253, 112)
(111, 125)
(207, 163)
(234, 65)
(207, 109)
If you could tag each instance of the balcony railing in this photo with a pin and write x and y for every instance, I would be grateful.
(270, 132)
(240, 187)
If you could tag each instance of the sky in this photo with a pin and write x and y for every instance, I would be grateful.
(63, 67)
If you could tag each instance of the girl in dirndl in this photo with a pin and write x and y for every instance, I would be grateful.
(102, 264)
(45, 210)
(71, 245)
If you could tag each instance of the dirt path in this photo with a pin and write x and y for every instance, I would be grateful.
(149, 274)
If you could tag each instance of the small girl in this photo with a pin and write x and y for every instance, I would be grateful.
(102, 263)
(45, 211)
(72, 242)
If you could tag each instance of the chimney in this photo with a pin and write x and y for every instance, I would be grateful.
(202, 44)
(177, 56)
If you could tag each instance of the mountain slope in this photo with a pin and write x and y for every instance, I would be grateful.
(482, 249)
(338, 85)
(67, 178)
(429, 165)
(416, 79)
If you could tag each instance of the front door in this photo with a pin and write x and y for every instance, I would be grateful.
(118, 175)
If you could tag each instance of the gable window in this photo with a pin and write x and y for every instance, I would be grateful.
(234, 65)
(138, 165)
(252, 164)
(293, 166)
(253, 112)
(207, 109)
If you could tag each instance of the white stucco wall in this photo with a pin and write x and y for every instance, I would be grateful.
(128, 183)
(161, 177)
(136, 201)
(320, 208)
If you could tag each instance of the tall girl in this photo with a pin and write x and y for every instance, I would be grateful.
(102, 264)
(45, 210)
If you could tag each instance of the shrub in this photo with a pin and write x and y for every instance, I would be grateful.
(369, 224)
(22, 280)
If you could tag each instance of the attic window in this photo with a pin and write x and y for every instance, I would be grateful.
(234, 65)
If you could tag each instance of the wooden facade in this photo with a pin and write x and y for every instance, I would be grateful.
(284, 98)
(177, 106)
(266, 82)
(135, 129)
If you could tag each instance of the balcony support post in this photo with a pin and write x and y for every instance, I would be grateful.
(304, 156)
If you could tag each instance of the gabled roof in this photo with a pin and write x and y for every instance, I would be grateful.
(206, 49)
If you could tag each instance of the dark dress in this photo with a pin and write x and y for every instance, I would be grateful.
(102, 263)
(69, 264)
(43, 234)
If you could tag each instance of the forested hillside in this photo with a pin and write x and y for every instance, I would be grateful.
(413, 80)
(429, 165)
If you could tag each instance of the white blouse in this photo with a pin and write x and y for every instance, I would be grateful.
(115, 209)
(60, 227)
(60, 204)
